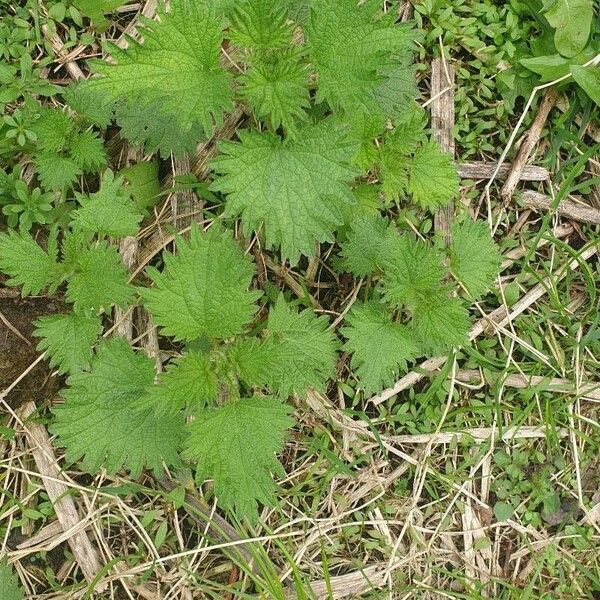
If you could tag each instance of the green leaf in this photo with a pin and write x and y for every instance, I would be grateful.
(394, 159)
(190, 382)
(26, 263)
(380, 348)
(260, 25)
(588, 79)
(142, 179)
(554, 66)
(361, 252)
(9, 588)
(298, 352)
(503, 511)
(362, 58)
(87, 151)
(173, 78)
(433, 179)
(53, 128)
(96, 9)
(99, 279)
(474, 257)
(235, 445)
(275, 88)
(161, 134)
(56, 172)
(68, 339)
(412, 271)
(440, 323)
(110, 211)
(203, 290)
(296, 188)
(100, 424)
(572, 21)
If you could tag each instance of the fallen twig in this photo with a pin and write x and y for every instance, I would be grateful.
(486, 170)
(566, 208)
(84, 552)
(531, 139)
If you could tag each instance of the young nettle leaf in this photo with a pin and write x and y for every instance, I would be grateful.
(441, 322)
(174, 76)
(474, 257)
(380, 348)
(189, 383)
(432, 178)
(260, 25)
(204, 289)
(27, 263)
(275, 87)
(110, 211)
(294, 188)
(362, 59)
(63, 151)
(99, 279)
(362, 253)
(236, 445)
(100, 423)
(413, 271)
(68, 339)
(162, 134)
(298, 352)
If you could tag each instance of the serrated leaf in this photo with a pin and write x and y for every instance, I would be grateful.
(100, 424)
(260, 25)
(440, 322)
(87, 151)
(275, 87)
(572, 20)
(412, 271)
(203, 290)
(175, 71)
(474, 257)
(394, 161)
(99, 279)
(361, 57)
(9, 588)
(161, 134)
(588, 79)
(433, 179)
(53, 129)
(299, 352)
(26, 263)
(68, 339)
(220, 440)
(56, 172)
(190, 382)
(361, 252)
(294, 188)
(110, 211)
(380, 348)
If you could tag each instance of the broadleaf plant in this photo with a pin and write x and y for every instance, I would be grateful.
(333, 143)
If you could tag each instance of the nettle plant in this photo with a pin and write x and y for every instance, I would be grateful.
(329, 90)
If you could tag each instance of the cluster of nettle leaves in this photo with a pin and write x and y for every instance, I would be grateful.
(331, 97)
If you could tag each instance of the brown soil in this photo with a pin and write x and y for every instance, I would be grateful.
(16, 355)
